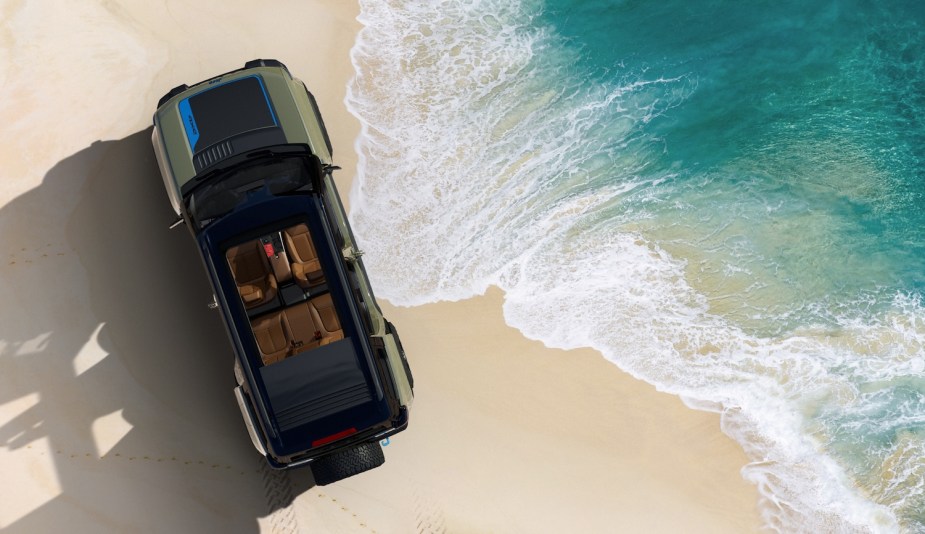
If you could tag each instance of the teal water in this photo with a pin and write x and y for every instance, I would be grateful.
(801, 146)
(725, 198)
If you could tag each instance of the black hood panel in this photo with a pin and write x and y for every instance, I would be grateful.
(215, 134)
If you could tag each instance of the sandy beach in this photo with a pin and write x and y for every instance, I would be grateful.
(116, 405)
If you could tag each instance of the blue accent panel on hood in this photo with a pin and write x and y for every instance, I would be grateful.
(189, 123)
(267, 98)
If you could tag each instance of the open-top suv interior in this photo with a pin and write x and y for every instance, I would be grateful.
(284, 290)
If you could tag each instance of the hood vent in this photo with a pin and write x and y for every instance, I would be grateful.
(214, 154)
(237, 145)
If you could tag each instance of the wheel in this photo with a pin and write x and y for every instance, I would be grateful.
(343, 464)
(172, 93)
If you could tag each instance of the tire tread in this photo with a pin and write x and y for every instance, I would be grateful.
(344, 464)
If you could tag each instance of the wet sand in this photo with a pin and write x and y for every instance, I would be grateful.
(116, 412)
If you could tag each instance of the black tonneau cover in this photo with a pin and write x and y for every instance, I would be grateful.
(314, 384)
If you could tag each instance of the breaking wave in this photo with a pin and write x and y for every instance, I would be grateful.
(492, 155)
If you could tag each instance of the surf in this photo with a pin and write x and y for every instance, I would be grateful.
(497, 150)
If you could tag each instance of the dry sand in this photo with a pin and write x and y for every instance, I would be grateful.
(116, 411)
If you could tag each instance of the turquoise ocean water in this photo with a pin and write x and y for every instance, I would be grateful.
(726, 198)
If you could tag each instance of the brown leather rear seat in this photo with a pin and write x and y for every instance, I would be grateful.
(251, 270)
(326, 320)
(273, 337)
(304, 333)
(296, 329)
(285, 333)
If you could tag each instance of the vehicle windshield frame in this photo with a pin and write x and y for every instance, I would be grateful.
(266, 172)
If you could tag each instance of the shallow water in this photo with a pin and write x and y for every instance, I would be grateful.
(724, 199)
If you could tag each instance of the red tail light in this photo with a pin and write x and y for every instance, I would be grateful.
(333, 437)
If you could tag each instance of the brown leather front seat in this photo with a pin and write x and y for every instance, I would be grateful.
(251, 270)
(273, 335)
(306, 269)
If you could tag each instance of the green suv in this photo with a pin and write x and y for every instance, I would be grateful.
(321, 376)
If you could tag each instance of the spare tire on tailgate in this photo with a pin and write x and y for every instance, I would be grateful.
(343, 464)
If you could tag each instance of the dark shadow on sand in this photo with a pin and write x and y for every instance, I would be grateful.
(187, 460)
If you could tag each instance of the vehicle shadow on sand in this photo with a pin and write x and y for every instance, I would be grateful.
(123, 375)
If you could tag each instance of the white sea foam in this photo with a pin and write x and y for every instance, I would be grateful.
(487, 158)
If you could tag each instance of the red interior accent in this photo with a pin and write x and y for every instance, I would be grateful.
(334, 437)
(268, 248)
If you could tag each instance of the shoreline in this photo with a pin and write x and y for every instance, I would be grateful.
(658, 466)
(575, 443)
(101, 433)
